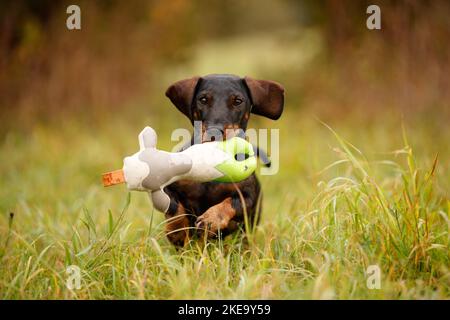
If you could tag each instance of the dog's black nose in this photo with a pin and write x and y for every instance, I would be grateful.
(214, 133)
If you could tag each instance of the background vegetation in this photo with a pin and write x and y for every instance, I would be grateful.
(364, 174)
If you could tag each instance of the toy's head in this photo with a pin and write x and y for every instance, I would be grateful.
(241, 163)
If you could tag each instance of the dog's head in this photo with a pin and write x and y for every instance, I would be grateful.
(223, 103)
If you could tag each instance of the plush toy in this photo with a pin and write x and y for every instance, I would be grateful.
(151, 169)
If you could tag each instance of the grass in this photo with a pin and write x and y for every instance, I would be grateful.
(347, 196)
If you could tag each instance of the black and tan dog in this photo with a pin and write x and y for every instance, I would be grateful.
(220, 102)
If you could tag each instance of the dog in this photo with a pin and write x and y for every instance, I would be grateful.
(221, 102)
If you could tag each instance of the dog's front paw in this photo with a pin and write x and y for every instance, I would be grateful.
(213, 220)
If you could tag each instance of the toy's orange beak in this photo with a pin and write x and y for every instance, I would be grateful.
(113, 177)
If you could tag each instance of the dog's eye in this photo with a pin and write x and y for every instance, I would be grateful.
(203, 100)
(237, 101)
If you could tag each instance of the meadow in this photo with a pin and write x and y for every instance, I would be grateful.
(337, 205)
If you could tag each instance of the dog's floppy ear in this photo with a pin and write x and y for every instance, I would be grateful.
(181, 94)
(267, 97)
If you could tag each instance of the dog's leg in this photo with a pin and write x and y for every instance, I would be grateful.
(225, 215)
(177, 227)
(216, 217)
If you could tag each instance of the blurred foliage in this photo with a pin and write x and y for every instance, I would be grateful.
(125, 51)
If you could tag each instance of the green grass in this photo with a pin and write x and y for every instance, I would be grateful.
(345, 198)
